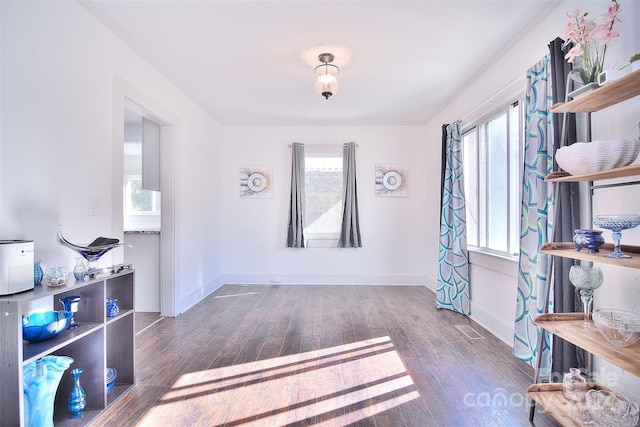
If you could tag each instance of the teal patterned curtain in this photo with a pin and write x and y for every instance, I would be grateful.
(453, 276)
(536, 217)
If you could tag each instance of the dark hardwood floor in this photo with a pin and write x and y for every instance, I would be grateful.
(145, 319)
(284, 355)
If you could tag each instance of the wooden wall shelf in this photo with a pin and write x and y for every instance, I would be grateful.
(568, 326)
(604, 96)
(550, 397)
(568, 250)
(624, 172)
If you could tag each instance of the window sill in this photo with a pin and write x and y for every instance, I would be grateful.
(503, 264)
(321, 243)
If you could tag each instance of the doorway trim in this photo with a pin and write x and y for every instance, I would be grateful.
(126, 96)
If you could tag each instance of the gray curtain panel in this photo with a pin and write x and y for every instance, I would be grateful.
(350, 230)
(295, 229)
(566, 298)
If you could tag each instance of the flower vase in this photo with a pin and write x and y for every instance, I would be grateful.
(77, 397)
(41, 379)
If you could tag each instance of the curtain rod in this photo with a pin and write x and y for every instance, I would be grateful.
(323, 145)
(493, 98)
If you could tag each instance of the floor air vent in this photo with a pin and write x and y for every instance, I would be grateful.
(469, 332)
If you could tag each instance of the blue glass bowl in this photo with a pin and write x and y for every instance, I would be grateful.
(111, 378)
(43, 326)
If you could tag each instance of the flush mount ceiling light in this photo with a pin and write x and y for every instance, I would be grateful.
(326, 85)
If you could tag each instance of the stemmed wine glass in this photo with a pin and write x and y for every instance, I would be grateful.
(617, 223)
(587, 279)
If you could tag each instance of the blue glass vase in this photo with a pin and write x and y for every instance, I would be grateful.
(41, 379)
(37, 273)
(112, 307)
(77, 397)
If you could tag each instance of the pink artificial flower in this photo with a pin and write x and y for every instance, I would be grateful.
(573, 14)
(611, 14)
(603, 34)
(569, 32)
(587, 24)
(576, 50)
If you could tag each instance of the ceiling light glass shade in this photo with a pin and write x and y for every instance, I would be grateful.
(327, 84)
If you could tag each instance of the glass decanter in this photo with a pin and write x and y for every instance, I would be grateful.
(574, 386)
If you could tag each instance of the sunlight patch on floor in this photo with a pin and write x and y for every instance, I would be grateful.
(335, 386)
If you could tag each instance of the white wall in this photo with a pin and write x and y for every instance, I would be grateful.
(60, 69)
(394, 232)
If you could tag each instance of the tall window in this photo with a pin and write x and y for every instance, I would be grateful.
(493, 163)
(323, 192)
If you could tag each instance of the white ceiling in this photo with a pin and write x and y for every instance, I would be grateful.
(252, 62)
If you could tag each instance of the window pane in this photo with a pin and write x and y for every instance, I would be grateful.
(323, 194)
(497, 184)
(470, 171)
(139, 200)
(516, 160)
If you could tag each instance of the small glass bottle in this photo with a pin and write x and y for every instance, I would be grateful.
(574, 386)
(79, 270)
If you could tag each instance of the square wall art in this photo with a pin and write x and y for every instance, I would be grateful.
(255, 182)
(391, 180)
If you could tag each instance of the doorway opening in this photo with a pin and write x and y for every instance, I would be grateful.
(142, 197)
(128, 104)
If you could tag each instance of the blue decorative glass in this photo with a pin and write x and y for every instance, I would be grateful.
(37, 273)
(70, 304)
(77, 397)
(41, 379)
(43, 326)
(590, 239)
(112, 307)
(617, 223)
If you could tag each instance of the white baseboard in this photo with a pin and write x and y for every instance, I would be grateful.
(484, 319)
(237, 279)
(195, 297)
(503, 332)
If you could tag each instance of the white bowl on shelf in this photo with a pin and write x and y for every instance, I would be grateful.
(588, 157)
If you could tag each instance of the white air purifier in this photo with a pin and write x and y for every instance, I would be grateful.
(16, 266)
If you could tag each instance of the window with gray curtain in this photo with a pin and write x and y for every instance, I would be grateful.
(295, 228)
(349, 225)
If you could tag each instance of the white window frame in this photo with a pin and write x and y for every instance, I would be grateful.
(514, 178)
